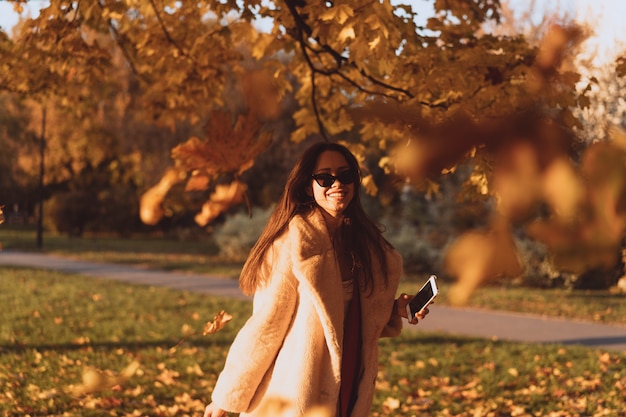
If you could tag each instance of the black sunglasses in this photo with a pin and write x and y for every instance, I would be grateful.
(325, 180)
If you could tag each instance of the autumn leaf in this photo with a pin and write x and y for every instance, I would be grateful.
(167, 376)
(391, 403)
(210, 327)
(224, 197)
(151, 210)
(479, 256)
(197, 182)
(228, 148)
(218, 323)
(346, 34)
(95, 380)
(593, 240)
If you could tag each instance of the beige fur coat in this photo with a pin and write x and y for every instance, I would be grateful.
(290, 348)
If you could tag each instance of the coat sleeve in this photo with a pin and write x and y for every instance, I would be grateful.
(394, 264)
(394, 325)
(256, 345)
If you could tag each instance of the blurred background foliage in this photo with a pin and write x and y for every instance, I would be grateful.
(489, 150)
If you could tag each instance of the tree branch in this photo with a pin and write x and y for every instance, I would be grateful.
(165, 31)
(320, 124)
(338, 58)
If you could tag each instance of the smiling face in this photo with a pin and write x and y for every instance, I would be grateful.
(336, 198)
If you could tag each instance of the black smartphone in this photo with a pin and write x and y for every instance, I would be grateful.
(424, 296)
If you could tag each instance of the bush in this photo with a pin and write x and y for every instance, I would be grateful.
(236, 236)
(109, 210)
(69, 212)
(420, 254)
(539, 270)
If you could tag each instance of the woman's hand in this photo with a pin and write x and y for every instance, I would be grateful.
(401, 303)
(211, 410)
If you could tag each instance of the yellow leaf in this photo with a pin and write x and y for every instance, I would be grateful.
(150, 210)
(562, 188)
(258, 50)
(369, 185)
(391, 403)
(373, 22)
(224, 197)
(219, 321)
(476, 257)
(197, 183)
(374, 43)
(346, 33)
(340, 13)
(344, 12)
(168, 377)
(95, 380)
(329, 14)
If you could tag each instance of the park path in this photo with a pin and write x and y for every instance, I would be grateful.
(449, 320)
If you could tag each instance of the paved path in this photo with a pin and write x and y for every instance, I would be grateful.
(459, 321)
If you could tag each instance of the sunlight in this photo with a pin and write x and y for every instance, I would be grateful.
(605, 18)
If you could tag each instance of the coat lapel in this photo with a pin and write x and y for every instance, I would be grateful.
(316, 269)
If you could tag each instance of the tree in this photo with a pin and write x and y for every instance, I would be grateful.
(419, 101)
(17, 174)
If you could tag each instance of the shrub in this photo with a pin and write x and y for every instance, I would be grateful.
(236, 236)
(420, 253)
(69, 212)
(109, 210)
(539, 269)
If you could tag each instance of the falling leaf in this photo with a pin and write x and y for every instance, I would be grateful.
(95, 380)
(562, 188)
(219, 321)
(228, 148)
(197, 182)
(517, 180)
(151, 210)
(479, 256)
(224, 197)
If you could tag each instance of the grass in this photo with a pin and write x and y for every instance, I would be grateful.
(203, 257)
(198, 256)
(65, 341)
(595, 306)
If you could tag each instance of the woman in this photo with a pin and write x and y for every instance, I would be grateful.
(324, 281)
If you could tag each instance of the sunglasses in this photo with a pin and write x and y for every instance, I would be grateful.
(325, 180)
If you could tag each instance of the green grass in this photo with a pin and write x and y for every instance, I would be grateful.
(198, 256)
(596, 306)
(54, 327)
(58, 329)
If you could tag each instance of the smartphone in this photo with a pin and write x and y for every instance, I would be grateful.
(424, 296)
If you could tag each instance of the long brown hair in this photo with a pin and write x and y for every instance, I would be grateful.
(360, 235)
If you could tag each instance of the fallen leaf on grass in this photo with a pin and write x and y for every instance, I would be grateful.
(95, 380)
(391, 403)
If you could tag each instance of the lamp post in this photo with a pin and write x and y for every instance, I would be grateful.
(42, 149)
